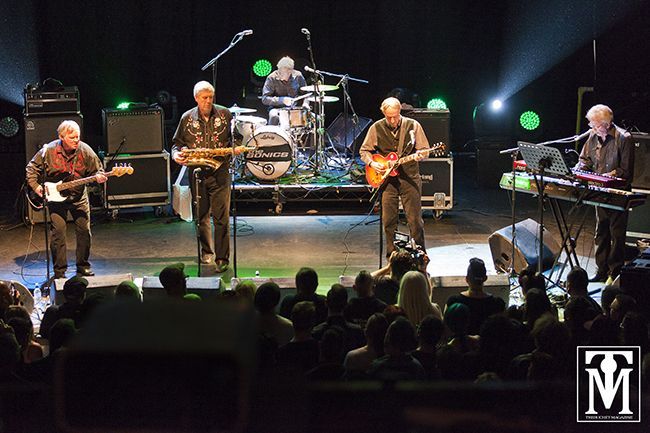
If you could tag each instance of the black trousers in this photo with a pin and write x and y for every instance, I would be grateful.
(215, 201)
(409, 190)
(80, 211)
(610, 240)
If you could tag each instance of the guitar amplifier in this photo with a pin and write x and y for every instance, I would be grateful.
(63, 100)
(149, 184)
(435, 124)
(133, 131)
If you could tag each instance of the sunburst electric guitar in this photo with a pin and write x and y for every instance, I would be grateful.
(55, 191)
(391, 162)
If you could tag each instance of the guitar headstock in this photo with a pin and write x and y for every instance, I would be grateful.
(436, 149)
(121, 170)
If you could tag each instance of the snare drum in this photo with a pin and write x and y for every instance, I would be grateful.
(297, 117)
(246, 125)
(271, 157)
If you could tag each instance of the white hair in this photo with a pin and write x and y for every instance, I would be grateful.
(203, 86)
(390, 103)
(286, 62)
(66, 127)
(600, 111)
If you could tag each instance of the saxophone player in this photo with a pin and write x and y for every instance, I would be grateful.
(208, 125)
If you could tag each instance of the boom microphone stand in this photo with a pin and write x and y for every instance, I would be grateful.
(197, 223)
(235, 40)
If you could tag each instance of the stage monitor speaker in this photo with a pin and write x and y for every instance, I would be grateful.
(205, 287)
(346, 135)
(446, 286)
(137, 131)
(41, 129)
(104, 284)
(435, 124)
(526, 247)
(641, 178)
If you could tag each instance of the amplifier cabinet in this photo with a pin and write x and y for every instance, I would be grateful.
(638, 221)
(136, 131)
(641, 177)
(435, 124)
(437, 183)
(64, 100)
(149, 184)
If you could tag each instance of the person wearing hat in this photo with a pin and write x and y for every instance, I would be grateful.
(174, 280)
(481, 305)
(74, 293)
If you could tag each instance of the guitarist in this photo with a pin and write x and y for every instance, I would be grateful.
(67, 158)
(395, 133)
(208, 126)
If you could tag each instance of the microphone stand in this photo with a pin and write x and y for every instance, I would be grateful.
(513, 232)
(213, 62)
(317, 134)
(46, 212)
(233, 200)
(197, 206)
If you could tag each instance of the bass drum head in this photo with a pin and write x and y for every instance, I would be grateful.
(271, 157)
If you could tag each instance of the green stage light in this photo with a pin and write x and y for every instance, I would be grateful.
(262, 68)
(436, 104)
(529, 120)
(123, 105)
(9, 127)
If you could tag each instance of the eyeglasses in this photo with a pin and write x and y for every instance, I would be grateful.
(603, 124)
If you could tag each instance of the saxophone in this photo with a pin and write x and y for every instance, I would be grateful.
(205, 157)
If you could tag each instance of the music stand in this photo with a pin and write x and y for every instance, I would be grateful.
(541, 160)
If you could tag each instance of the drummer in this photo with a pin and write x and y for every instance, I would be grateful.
(281, 87)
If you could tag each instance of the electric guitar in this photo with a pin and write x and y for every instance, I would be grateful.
(55, 191)
(391, 162)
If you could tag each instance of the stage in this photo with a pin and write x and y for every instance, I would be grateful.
(333, 229)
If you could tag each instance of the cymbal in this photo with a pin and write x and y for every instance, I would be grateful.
(324, 99)
(321, 88)
(241, 110)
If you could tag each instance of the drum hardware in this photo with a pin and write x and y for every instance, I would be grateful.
(319, 88)
(241, 110)
(325, 98)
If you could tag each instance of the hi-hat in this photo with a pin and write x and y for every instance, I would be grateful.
(241, 110)
(323, 99)
(321, 88)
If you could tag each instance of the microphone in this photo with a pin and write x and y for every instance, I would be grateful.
(305, 31)
(245, 32)
(312, 70)
(581, 136)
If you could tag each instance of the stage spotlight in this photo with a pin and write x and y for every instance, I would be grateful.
(529, 120)
(9, 127)
(436, 104)
(262, 68)
(496, 104)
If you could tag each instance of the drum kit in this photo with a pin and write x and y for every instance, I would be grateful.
(278, 147)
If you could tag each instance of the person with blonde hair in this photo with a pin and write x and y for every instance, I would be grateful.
(608, 151)
(67, 158)
(403, 136)
(415, 298)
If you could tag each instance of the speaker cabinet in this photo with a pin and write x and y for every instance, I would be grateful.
(526, 247)
(104, 284)
(446, 286)
(435, 124)
(437, 183)
(147, 186)
(205, 287)
(136, 131)
(490, 164)
(641, 179)
(41, 129)
(638, 221)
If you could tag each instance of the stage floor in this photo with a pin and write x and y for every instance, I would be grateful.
(335, 239)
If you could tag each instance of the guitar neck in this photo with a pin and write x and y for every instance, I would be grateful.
(79, 182)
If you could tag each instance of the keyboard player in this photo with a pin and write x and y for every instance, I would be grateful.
(609, 151)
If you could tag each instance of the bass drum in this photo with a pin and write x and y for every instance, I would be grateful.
(271, 157)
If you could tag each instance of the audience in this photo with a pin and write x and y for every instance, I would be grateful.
(358, 361)
(246, 291)
(272, 325)
(330, 359)
(481, 305)
(577, 282)
(302, 352)
(337, 299)
(174, 280)
(23, 328)
(74, 293)
(415, 298)
(9, 355)
(429, 333)
(366, 304)
(306, 285)
(397, 363)
(128, 290)
(388, 278)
